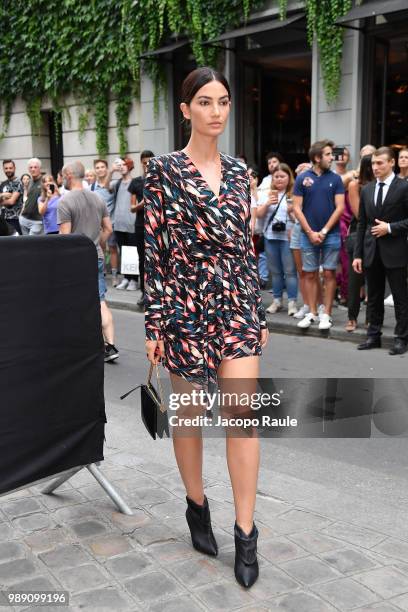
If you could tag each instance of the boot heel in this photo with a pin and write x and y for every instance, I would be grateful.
(199, 521)
(246, 567)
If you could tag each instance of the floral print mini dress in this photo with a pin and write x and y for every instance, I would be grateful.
(202, 292)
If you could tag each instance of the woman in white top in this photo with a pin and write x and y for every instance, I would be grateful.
(276, 210)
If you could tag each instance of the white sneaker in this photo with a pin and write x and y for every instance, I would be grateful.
(389, 301)
(132, 286)
(302, 312)
(274, 307)
(325, 321)
(292, 308)
(320, 309)
(308, 320)
(123, 284)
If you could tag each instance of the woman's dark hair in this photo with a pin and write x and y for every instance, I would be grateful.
(365, 174)
(197, 79)
(23, 175)
(146, 153)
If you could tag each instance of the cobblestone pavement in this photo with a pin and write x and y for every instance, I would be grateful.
(75, 540)
(326, 544)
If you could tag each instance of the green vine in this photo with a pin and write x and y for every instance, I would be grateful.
(83, 123)
(321, 16)
(102, 123)
(123, 104)
(33, 107)
(8, 106)
(283, 6)
(50, 49)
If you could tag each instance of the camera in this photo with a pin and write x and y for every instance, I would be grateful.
(51, 188)
(279, 226)
(338, 154)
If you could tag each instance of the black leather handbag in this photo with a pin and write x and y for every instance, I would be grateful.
(153, 410)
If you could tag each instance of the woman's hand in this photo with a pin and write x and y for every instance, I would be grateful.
(154, 350)
(273, 199)
(264, 335)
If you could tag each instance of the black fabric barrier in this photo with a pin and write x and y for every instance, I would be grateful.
(52, 409)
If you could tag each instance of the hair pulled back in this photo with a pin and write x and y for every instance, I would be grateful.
(197, 79)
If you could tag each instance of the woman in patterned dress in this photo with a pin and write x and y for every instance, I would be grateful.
(204, 316)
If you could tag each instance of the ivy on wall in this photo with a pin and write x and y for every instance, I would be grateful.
(321, 16)
(53, 49)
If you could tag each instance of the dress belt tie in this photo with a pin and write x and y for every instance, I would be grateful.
(216, 297)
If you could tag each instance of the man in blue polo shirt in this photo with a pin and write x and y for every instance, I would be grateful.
(319, 203)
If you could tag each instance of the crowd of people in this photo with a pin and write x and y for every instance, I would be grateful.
(304, 225)
(104, 203)
(305, 229)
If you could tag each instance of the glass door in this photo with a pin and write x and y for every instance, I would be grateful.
(380, 92)
(249, 115)
(385, 103)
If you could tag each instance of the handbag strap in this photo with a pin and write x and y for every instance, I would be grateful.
(162, 406)
(159, 386)
(275, 212)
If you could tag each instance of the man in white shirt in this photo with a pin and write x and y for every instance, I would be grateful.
(273, 159)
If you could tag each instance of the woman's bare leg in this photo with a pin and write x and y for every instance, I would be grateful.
(242, 452)
(188, 449)
(297, 256)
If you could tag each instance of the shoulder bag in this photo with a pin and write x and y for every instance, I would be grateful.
(153, 410)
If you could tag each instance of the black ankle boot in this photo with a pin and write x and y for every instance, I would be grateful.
(246, 564)
(199, 521)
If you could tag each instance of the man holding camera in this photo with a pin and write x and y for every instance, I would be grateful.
(318, 204)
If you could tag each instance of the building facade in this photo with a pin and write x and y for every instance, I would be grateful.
(278, 97)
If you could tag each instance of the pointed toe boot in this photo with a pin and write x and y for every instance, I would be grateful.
(199, 521)
(246, 563)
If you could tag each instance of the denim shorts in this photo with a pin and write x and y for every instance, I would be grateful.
(112, 240)
(295, 236)
(325, 254)
(101, 279)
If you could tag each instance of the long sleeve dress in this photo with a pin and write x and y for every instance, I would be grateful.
(202, 292)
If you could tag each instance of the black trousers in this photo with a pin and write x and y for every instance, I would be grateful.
(16, 224)
(125, 239)
(376, 275)
(355, 282)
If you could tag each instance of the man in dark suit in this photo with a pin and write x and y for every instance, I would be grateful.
(382, 248)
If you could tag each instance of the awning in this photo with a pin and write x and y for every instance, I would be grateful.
(372, 9)
(263, 26)
(167, 49)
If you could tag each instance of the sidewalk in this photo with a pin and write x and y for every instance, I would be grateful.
(328, 544)
(281, 323)
(311, 559)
